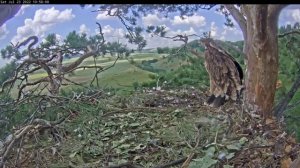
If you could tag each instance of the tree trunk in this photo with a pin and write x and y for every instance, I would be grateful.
(56, 81)
(262, 55)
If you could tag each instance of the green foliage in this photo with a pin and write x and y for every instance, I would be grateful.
(7, 71)
(193, 74)
(135, 37)
(75, 40)
(163, 50)
(158, 30)
(9, 52)
(204, 162)
(117, 48)
(190, 70)
(50, 40)
(17, 114)
(147, 65)
(289, 69)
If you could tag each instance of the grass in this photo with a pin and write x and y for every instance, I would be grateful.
(121, 76)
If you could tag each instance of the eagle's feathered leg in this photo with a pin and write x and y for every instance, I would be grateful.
(212, 88)
(210, 99)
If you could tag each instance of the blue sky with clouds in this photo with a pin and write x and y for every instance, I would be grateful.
(41, 20)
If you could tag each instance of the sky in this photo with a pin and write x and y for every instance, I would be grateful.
(41, 20)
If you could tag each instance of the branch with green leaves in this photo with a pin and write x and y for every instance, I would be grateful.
(48, 57)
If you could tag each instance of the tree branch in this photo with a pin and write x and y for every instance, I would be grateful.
(101, 70)
(288, 33)
(292, 106)
(90, 52)
(274, 10)
(46, 79)
(37, 124)
(238, 16)
(72, 66)
(28, 61)
(281, 107)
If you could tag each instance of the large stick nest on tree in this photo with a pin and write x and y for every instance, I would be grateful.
(153, 128)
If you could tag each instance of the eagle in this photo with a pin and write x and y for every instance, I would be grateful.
(225, 74)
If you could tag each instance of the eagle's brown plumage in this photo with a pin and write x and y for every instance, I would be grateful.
(225, 74)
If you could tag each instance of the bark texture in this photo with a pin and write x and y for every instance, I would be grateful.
(261, 50)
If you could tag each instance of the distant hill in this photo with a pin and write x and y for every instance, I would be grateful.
(149, 50)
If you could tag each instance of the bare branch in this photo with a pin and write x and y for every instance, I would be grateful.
(75, 83)
(37, 124)
(87, 66)
(90, 52)
(41, 62)
(101, 34)
(101, 70)
(274, 11)
(96, 74)
(25, 42)
(238, 16)
(193, 154)
(288, 33)
(292, 106)
(46, 79)
(72, 66)
(281, 107)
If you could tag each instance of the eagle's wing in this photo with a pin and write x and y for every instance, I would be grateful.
(224, 73)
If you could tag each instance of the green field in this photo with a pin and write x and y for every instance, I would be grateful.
(122, 75)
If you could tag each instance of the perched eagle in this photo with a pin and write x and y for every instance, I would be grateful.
(225, 74)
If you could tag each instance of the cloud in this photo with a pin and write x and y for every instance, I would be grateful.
(42, 21)
(3, 31)
(114, 34)
(22, 10)
(59, 38)
(89, 6)
(213, 29)
(295, 14)
(104, 16)
(166, 27)
(84, 29)
(194, 20)
(292, 6)
(290, 15)
(190, 31)
(3, 62)
(110, 32)
(154, 42)
(231, 33)
(153, 19)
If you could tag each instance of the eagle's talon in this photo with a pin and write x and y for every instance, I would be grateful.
(219, 101)
(210, 99)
